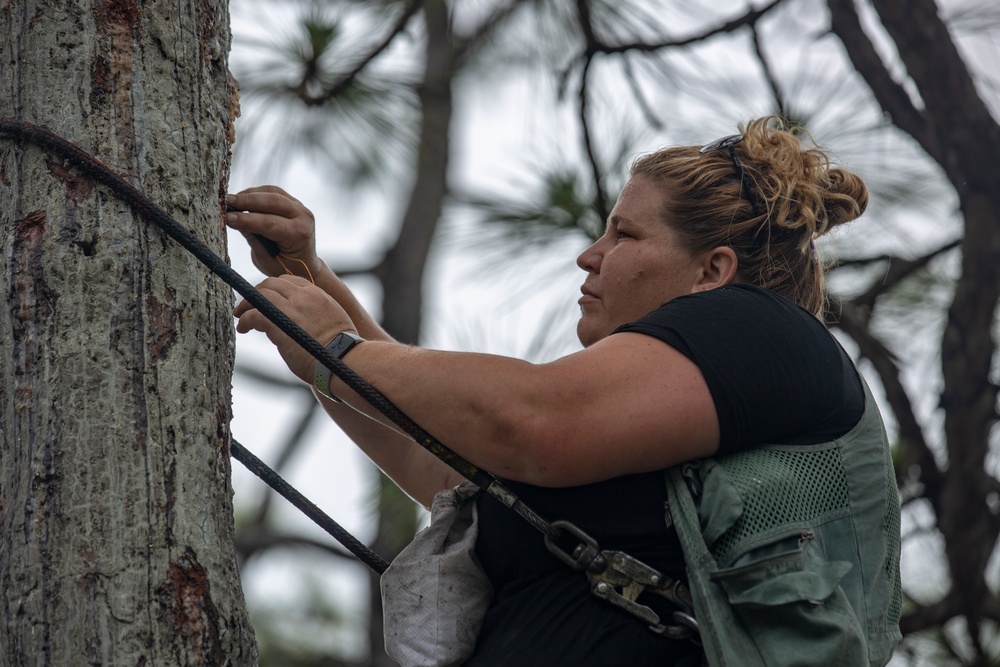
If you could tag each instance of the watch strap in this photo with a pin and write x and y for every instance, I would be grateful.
(338, 347)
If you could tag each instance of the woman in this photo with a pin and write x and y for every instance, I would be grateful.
(700, 321)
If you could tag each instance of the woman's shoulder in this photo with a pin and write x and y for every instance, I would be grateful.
(738, 310)
(774, 370)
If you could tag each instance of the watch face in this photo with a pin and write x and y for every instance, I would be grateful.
(338, 347)
(344, 342)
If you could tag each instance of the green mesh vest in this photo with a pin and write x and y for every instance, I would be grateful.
(792, 552)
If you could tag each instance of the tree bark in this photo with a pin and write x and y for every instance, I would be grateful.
(116, 519)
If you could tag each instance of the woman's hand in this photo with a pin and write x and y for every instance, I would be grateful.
(308, 306)
(274, 214)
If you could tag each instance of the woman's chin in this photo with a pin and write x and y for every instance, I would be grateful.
(586, 333)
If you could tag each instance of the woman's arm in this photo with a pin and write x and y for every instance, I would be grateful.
(276, 215)
(626, 404)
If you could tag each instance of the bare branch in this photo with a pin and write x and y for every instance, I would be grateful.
(403, 264)
(929, 616)
(748, 19)
(585, 23)
(965, 136)
(991, 608)
(851, 262)
(890, 95)
(779, 97)
(282, 382)
(292, 443)
(639, 97)
(468, 43)
(351, 272)
(911, 436)
(587, 28)
(250, 543)
(600, 202)
(899, 270)
(594, 46)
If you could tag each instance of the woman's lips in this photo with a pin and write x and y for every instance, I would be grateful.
(588, 296)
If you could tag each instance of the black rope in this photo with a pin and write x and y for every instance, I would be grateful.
(148, 209)
(303, 504)
(141, 204)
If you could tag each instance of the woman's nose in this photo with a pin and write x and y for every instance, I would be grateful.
(590, 259)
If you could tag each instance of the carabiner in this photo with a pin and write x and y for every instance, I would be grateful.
(586, 556)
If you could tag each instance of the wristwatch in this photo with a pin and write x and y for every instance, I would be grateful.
(338, 347)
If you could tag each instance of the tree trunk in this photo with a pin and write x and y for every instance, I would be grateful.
(970, 138)
(955, 127)
(115, 500)
(402, 274)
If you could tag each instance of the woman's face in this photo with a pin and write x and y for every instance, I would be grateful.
(636, 266)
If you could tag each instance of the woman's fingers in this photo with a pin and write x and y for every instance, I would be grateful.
(283, 231)
(307, 305)
(274, 223)
(272, 200)
(279, 291)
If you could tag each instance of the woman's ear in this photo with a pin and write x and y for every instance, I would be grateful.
(719, 267)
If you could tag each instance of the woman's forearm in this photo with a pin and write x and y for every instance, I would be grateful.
(488, 402)
(415, 470)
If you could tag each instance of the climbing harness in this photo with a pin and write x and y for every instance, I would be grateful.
(614, 576)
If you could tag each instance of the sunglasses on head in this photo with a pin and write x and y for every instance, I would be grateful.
(730, 144)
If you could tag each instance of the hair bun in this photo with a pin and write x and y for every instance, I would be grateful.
(847, 198)
(804, 191)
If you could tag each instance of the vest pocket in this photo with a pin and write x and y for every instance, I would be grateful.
(788, 597)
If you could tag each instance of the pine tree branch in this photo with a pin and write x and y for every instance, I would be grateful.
(348, 79)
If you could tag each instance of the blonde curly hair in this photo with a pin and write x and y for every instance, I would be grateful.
(795, 196)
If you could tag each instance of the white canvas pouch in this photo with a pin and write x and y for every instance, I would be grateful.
(435, 593)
